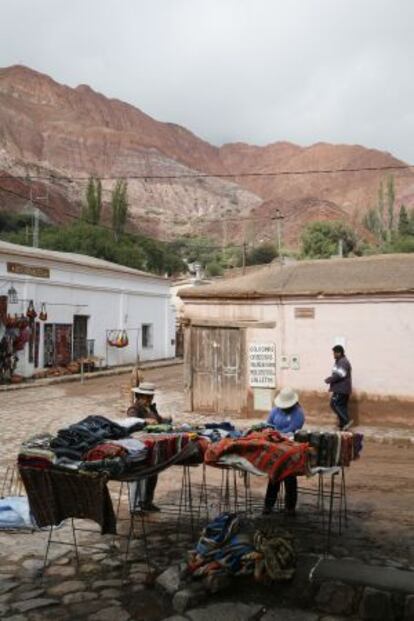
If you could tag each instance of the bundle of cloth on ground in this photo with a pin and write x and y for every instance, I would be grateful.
(228, 546)
(15, 513)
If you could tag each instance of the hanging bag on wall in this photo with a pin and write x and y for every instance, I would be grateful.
(43, 312)
(31, 311)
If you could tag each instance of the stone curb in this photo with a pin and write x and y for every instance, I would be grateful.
(362, 575)
(76, 377)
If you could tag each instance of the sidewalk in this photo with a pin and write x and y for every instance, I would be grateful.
(77, 377)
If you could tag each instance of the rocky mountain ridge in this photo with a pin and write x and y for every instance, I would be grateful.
(65, 134)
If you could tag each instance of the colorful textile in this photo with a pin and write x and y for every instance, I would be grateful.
(56, 495)
(221, 550)
(268, 451)
(163, 447)
(226, 548)
(278, 560)
(161, 428)
(105, 451)
(330, 449)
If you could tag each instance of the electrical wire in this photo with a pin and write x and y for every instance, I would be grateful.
(107, 228)
(240, 175)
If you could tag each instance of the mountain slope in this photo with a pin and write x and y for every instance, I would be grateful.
(53, 130)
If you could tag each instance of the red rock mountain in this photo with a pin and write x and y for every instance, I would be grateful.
(61, 135)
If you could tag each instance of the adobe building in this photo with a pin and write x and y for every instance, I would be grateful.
(247, 337)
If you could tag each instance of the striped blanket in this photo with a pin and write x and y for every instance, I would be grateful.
(268, 450)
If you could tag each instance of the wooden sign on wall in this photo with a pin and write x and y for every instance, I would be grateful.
(262, 365)
(29, 270)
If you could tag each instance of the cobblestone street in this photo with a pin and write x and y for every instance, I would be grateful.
(380, 533)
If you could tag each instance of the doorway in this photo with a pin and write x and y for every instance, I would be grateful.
(57, 344)
(217, 369)
(80, 334)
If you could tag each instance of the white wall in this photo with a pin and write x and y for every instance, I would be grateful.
(378, 332)
(112, 300)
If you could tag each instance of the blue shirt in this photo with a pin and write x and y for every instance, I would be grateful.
(287, 422)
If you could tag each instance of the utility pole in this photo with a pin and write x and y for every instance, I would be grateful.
(279, 219)
(35, 227)
(36, 215)
(340, 248)
(244, 257)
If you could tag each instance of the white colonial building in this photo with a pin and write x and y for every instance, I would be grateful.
(92, 305)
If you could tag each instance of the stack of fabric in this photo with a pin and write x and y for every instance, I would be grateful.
(226, 548)
(267, 451)
(162, 447)
(36, 452)
(331, 448)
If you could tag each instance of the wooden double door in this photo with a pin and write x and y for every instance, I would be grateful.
(216, 364)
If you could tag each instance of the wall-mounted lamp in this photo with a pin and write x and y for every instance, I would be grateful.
(12, 295)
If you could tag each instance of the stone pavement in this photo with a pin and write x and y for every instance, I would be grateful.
(380, 496)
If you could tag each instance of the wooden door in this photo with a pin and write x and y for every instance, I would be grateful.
(204, 369)
(217, 369)
(80, 332)
(57, 341)
(229, 369)
(63, 344)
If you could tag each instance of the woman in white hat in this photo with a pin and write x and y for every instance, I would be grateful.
(287, 417)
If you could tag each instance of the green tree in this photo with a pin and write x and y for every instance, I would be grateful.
(380, 208)
(372, 222)
(214, 269)
(320, 239)
(265, 253)
(404, 225)
(390, 205)
(119, 207)
(91, 212)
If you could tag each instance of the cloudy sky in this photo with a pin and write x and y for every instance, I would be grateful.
(251, 70)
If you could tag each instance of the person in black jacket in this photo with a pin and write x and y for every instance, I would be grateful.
(340, 385)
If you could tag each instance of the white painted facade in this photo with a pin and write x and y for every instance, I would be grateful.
(111, 296)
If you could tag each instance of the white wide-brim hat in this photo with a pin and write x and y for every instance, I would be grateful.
(286, 398)
(145, 388)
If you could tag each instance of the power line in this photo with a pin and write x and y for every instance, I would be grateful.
(107, 228)
(277, 173)
(177, 221)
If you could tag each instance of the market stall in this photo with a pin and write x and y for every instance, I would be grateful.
(66, 475)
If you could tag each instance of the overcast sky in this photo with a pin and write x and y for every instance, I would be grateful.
(234, 70)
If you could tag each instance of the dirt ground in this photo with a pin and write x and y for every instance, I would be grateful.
(380, 486)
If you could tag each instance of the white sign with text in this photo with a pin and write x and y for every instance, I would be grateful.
(262, 365)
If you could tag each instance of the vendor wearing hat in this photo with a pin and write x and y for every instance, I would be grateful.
(143, 407)
(287, 417)
(142, 492)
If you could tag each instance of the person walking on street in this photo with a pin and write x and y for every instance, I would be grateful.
(340, 385)
(287, 417)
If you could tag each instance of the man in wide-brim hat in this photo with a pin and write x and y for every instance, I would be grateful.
(142, 492)
(287, 417)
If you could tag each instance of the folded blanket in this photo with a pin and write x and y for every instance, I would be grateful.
(268, 451)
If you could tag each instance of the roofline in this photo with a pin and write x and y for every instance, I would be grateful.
(192, 295)
(15, 250)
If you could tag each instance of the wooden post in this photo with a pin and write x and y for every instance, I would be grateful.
(188, 370)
